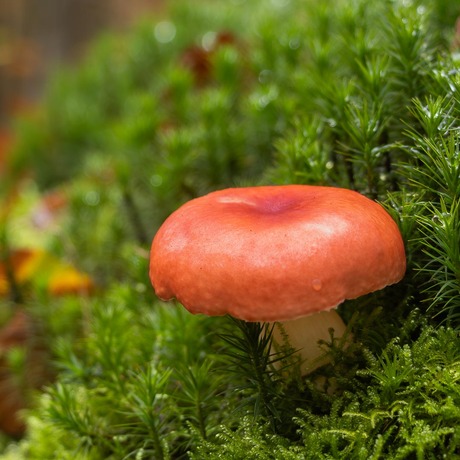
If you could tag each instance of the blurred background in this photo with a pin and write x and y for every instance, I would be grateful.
(36, 36)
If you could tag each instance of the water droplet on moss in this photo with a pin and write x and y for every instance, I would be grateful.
(92, 198)
(156, 180)
(165, 31)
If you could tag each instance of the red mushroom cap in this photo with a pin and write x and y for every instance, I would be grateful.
(274, 253)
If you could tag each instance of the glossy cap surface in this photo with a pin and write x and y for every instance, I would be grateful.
(274, 253)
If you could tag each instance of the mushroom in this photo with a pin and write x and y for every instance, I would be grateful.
(285, 254)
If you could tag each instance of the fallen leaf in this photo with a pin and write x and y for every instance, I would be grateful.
(42, 270)
(67, 280)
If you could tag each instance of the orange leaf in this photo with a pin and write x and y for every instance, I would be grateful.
(67, 280)
(23, 263)
(40, 269)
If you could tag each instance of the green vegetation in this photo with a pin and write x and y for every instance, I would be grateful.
(357, 94)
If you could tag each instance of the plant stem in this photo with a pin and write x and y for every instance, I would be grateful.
(135, 218)
(5, 257)
(159, 454)
(201, 420)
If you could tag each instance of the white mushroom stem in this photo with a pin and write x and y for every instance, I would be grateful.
(303, 334)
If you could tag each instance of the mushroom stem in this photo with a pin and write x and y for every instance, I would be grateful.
(303, 335)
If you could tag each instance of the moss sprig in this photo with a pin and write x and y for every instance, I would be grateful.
(253, 360)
